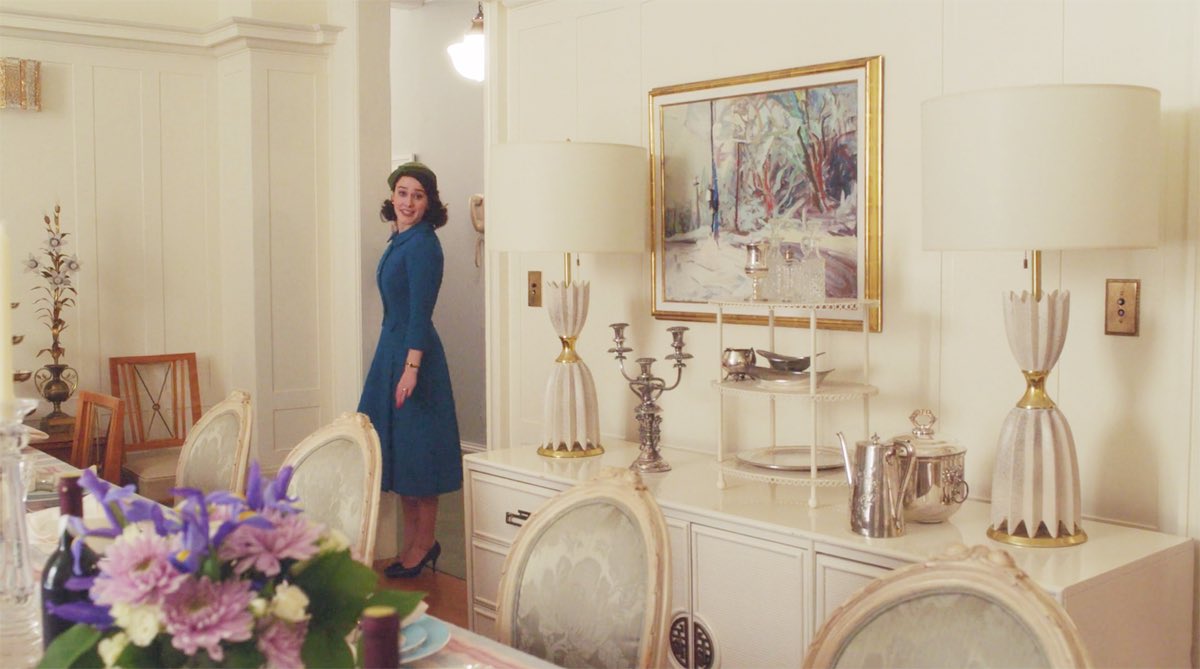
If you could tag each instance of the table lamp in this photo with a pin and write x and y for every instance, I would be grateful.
(568, 197)
(1040, 168)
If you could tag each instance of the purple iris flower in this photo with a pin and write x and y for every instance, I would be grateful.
(262, 494)
(193, 514)
(83, 612)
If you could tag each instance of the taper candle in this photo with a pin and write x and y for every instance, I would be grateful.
(6, 331)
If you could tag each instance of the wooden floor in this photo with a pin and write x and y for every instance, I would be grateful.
(447, 595)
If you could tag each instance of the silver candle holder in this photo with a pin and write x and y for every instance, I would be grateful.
(648, 387)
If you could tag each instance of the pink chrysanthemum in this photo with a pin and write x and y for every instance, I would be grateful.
(250, 547)
(136, 569)
(203, 613)
(280, 643)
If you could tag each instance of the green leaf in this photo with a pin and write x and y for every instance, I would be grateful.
(403, 601)
(326, 648)
(337, 587)
(70, 646)
(89, 660)
(244, 655)
(171, 656)
(137, 657)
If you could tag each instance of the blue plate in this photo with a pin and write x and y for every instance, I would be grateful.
(437, 635)
(411, 637)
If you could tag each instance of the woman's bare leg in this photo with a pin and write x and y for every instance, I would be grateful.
(425, 519)
(410, 508)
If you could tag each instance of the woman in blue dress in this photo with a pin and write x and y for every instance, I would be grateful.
(407, 393)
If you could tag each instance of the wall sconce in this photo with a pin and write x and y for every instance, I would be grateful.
(467, 54)
(20, 84)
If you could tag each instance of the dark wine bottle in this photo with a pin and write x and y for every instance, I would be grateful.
(61, 565)
(380, 638)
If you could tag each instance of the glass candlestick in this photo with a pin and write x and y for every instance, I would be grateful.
(788, 272)
(812, 272)
(21, 630)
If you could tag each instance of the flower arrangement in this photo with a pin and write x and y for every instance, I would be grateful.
(221, 580)
(56, 270)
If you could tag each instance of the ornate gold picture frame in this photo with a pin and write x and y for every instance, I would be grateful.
(790, 161)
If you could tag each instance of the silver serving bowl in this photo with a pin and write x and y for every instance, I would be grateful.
(786, 363)
(937, 489)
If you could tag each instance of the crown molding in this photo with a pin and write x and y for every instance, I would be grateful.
(222, 37)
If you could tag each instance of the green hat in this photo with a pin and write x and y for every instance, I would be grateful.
(417, 171)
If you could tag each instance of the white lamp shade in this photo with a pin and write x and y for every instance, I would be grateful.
(568, 197)
(1041, 168)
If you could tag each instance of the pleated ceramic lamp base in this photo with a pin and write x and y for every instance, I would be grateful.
(570, 419)
(1035, 484)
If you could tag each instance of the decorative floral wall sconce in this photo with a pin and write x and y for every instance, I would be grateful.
(20, 84)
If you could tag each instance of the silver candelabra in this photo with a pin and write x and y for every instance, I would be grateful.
(648, 388)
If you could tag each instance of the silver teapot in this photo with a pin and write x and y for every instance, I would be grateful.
(879, 477)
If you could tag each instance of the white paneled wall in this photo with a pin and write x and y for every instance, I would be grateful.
(583, 70)
(192, 166)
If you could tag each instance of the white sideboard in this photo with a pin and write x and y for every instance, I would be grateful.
(755, 570)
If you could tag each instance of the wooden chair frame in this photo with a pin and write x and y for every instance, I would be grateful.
(357, 428)
(238, 405)
(126, 380)
(982, 571)
(85, 426)
(624, 489)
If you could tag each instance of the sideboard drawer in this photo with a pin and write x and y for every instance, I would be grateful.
(501, 506)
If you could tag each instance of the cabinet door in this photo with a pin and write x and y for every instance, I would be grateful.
(837, 579)
(679, 627)
(498, 508)
(749, 595)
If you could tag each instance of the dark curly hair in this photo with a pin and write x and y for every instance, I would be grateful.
(435, 211)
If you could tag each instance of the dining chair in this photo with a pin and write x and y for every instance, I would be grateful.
(336, 475)
(216, 453)
(95, 441)
(587, 582)
(970, 607)
(162, 402)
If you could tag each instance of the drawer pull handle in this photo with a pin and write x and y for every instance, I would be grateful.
(512, 518)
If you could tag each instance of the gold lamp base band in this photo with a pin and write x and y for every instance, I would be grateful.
(1035, 396)
(1041, 540)
(578, 451)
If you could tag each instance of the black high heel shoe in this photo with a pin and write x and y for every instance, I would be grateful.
(398, 570)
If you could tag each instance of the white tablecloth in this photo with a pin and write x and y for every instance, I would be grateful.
(468, 649)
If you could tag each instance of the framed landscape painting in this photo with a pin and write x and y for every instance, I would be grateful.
(789, 161)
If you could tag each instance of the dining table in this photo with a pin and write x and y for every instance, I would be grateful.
(448, 646)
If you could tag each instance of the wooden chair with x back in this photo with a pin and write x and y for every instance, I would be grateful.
(162, 402)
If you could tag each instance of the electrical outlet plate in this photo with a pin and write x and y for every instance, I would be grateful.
(1121, 307)
(533, 289)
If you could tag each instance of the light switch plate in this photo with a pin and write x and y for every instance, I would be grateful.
(1121, 307)
(533, 289)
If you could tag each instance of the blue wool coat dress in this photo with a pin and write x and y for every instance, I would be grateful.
(421, 450)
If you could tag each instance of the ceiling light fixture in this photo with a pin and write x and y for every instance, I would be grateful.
(467, 54)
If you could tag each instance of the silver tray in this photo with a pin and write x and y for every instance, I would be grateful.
(792, 458)
(780, 377)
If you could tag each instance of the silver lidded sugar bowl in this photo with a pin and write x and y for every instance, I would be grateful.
(938, 488)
